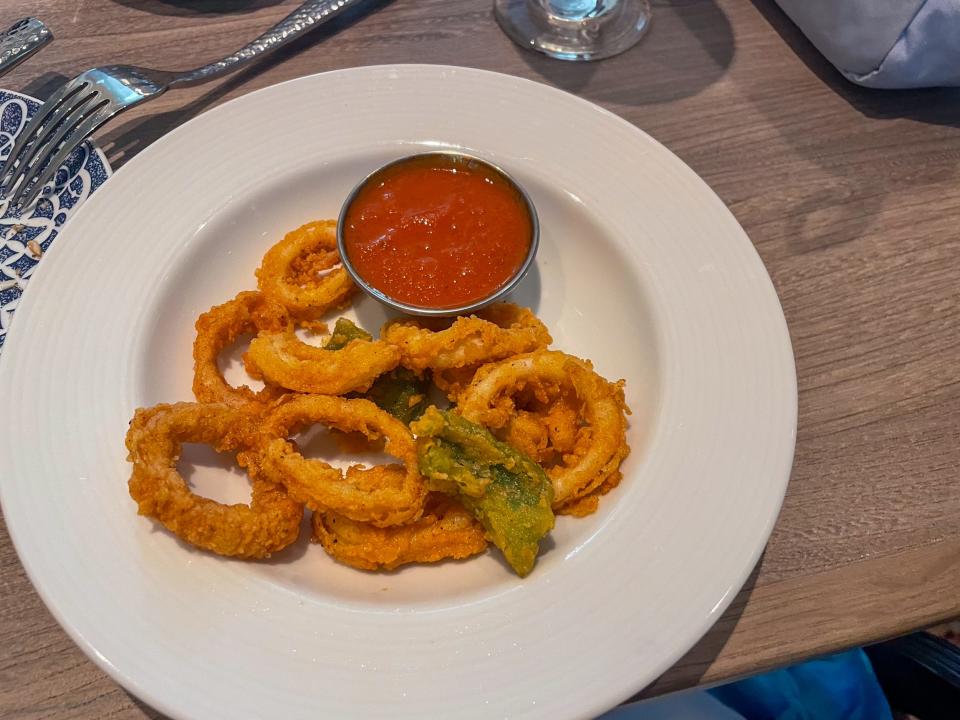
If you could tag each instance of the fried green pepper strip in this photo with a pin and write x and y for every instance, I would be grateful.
(401, 392)
(344, 332)
(504, 489)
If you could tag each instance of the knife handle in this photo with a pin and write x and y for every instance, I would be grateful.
(22, 40)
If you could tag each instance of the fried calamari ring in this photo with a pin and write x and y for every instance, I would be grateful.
(290, 272)
(383, 495)
(600, 444)
(589, 503)
(270, 523)
(452, 381)
(547, 425)
(283, 359)
(445, 531)
(248, 312)
(494, 333)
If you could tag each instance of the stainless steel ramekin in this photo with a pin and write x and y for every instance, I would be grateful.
(453, 157)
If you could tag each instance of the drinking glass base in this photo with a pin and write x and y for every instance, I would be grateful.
(598, 35)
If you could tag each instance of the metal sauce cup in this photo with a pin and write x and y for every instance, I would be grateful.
(453, 158)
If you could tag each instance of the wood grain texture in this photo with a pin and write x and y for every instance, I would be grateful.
(850, 196)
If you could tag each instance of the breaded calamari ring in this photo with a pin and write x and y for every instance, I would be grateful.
(601, 443)
(445, 531)
(547, 427)
(452, 381)
(248, 312)
(383, 495)
(281, 358)
(269, 523)
(289, 272)
(494, 333)
(589, 503)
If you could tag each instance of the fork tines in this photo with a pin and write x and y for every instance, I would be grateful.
(61, 124)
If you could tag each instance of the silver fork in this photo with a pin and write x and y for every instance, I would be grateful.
(93, 97)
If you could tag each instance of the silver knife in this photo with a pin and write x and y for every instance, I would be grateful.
(21, 41)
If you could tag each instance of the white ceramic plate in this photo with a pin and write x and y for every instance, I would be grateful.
(641, 268)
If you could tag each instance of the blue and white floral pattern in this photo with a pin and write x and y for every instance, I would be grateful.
(24, 238)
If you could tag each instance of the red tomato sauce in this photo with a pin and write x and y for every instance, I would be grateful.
(437, 232)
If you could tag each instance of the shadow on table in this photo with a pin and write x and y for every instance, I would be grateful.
(145, 709)
(125, 141)
(689, 47)
(938, 106)
(197, 7)
(43, 86)
(860, 176)
(688, 670)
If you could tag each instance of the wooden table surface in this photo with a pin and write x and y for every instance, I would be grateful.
(850, 196)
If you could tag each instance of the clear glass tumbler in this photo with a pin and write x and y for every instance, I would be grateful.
(574, 29)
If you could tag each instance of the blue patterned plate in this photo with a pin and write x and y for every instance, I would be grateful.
(24, 238)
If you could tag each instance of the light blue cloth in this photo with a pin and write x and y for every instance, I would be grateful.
(838, 687)
(885, 43)
(697, 705)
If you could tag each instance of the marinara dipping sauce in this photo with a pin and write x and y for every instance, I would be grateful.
(438, 231)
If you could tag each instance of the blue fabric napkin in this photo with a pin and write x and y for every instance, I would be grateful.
(838, 687)
(885, 43)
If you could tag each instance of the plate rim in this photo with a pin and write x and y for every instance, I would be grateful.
(666, 659)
